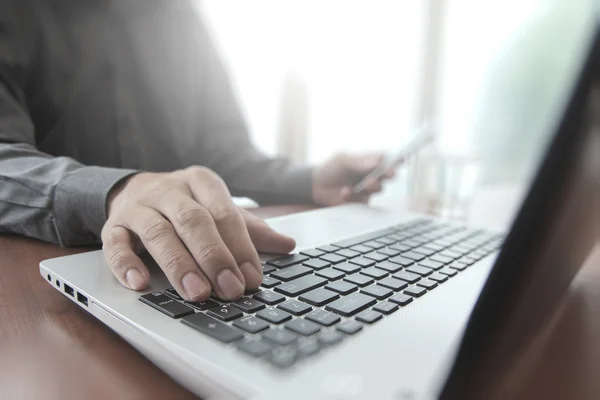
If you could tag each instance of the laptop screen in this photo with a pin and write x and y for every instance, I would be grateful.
(553, 234)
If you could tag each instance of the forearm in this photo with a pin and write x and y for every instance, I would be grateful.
(54, 199)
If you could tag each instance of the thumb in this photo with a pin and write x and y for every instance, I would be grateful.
(265, 238)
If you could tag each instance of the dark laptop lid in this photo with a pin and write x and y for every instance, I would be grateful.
(554, 232)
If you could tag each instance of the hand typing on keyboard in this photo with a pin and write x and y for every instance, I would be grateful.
(189, 224)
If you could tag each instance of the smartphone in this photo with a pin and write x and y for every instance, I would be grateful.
(421, 138)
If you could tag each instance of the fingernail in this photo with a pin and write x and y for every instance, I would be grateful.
(194, 286)
(229, 284)
(252, 275)
(134, 278)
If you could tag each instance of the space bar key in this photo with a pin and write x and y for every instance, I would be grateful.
(351, 304)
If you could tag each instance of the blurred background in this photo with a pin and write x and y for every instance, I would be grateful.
(317, 77)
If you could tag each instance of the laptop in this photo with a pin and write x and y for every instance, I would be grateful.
(375, 303)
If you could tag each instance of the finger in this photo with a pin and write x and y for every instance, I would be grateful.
(373, 186)
(362, 164)
(160, 239)
(390, 173)
(119, 252)
(210, 191)
(265, 238)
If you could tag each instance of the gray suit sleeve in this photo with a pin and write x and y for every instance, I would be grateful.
(54, 199)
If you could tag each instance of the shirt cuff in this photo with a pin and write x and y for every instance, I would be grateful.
(80, 203)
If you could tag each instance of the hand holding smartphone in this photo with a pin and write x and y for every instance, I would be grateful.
(421, 138)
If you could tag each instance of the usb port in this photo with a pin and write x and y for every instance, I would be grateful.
(69, 290)
(82, 299)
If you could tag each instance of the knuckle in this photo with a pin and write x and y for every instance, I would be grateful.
(210, 252)
(190, 218)
(172, 261)
(155, 230)
(224, 213)
(118, 260)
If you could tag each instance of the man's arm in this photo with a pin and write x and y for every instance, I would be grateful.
(55, 199)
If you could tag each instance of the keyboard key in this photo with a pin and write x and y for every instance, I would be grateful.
(212, 327)
(373, 245)
(248, 305)
(256, 348)
(323, 317)
(333, 258)
(173, 293)
(389, 252)
(330, 337)
(202, 305)
(330, 273)
(347, 268)
(385, 307)
(274, 315)
(442, 259)
(424, 250)
(376, 256)
(301, 285)
(450, 254)
(417, 269)
(269, 282)
(407, 276)
(225, 312)
(282, 337)
(411, 243)
(319, 297)
(166, 305)
(384, 240)
(400, 247)
(369, 316)
(379, 292)
(448, 271)
(351, 304)
(401, 299)
(415, 291)
(458, 266)
(413, 256)
(363, 262)
(303, 327)
(358, 279)
(431, 264)
(317, 264)
(295, 307)
(313, 253)
(434, 246)
(350, 327)
(388, 266)
(347, 253)
(341, 287)
(405, 262)
(286, 261)
(361, 248)
(392, 283)
(328, 248)
(251, 324)
(308, 346)
(427, 284)
(267, 269)
(361, 239)
(283, 357)
(468, 260)
(293, 272)
(373, 272)
(269, 297)
(439, 278)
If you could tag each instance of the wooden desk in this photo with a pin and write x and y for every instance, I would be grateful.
(50, 348)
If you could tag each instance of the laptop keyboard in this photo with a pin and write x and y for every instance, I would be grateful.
(312, 300)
